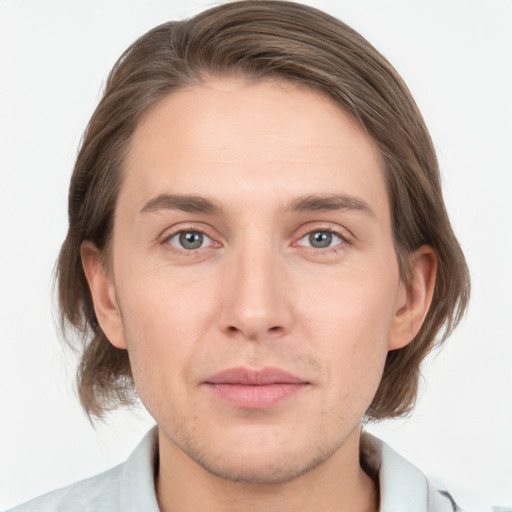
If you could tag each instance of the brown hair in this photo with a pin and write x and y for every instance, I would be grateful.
(257, 39)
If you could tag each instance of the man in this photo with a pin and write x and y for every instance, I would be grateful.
(259, 247)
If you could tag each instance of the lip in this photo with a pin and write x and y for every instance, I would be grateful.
(255, 389)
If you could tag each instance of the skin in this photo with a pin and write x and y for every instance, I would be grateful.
(256, 293)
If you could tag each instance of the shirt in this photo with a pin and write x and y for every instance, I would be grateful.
(130, 487)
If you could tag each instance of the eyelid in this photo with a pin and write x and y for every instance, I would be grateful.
(332, 233)
(311, 227)
(343, 233)
(172, 231)
(206, 239)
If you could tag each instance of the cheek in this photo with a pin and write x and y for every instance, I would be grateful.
(165, 303)
(355, 304)
(350, 318)
(164, 319)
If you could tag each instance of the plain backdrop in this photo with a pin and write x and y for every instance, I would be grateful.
(456, 57)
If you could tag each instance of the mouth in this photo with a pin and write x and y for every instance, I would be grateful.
(255, 389)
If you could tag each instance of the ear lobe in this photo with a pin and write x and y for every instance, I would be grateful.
(413, 300)
(103, 295)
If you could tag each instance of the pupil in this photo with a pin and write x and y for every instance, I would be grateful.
(191, 240)
(320, 239)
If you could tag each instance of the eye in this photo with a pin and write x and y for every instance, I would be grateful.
(189, 240)
(321, 239)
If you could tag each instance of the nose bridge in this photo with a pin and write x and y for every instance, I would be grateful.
(255, 300)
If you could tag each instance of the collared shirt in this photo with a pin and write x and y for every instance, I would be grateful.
(130, 487)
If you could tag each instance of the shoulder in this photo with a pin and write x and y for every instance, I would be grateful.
(128, 487)
(98, 493)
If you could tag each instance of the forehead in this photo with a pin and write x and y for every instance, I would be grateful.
(232, 137)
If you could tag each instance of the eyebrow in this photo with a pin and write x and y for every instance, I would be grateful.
(185, 203)
(330, 202)
(303, 204)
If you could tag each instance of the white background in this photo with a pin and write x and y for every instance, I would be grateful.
(455, 55)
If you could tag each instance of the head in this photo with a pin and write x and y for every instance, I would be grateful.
(263, 51)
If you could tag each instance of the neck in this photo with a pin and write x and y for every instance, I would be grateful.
(339, 483)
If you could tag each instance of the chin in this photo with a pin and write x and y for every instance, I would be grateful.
(261, 468)
(259, 459)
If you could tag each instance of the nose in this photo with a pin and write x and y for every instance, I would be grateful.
(256, 296)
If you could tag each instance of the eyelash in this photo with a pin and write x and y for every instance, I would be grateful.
(188, 252)
(342, 239)
(345, 240)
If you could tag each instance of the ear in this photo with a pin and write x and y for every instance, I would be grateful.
(413, 300)
(103, 295)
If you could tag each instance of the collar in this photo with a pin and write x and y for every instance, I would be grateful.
(137, 483)
(403, 487)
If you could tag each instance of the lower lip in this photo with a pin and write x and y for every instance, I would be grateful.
(256, 397)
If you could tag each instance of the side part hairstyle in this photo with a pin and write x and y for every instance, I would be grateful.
(259, 39)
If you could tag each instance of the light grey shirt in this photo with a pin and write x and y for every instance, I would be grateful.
(130, 487)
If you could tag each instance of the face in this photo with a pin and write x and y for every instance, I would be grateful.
(254, 279)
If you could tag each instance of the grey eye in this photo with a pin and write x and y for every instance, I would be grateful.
(189, 240)
(321, 239)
